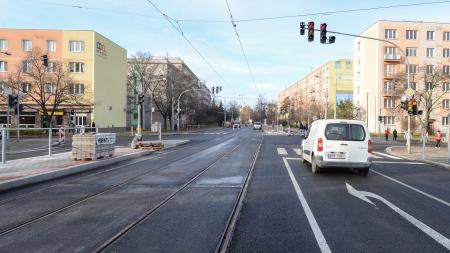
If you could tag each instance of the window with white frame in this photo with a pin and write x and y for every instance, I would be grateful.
(51, 46)
(446, 36)
(446, 52)
(411, 34)
(76, 67)
(51, 67)
(389, 50)
(27, 45)
(429, 69)
(446, 86)
(50, 88)
(446, 103)
(390, 69)
(76, 88)
(446, 69)
(390, 34)
(430, 52)
(3, 66)
(411, 51)
(389, 120)
(27, 66)
(413, 85)
(389, 103)
(445, 121)
(3, 45)
(412, 68)
(76, 46)
(429, 86)
(389, 86)
(26, 87)
(431, 35)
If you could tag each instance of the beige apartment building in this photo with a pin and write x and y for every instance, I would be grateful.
(309, 96)
(380, 71)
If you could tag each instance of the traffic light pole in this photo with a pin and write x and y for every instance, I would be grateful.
(18, 118)
(408, 136)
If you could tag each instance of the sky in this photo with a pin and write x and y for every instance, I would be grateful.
(277, 54)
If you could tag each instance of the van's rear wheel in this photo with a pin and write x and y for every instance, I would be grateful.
(314, 167)
(364, 172)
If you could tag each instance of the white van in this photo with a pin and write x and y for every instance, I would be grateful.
(338, 144)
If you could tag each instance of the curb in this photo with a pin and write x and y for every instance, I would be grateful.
(39, 178)
(442, 165)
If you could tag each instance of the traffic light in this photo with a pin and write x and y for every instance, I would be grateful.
(45, 60)
(19, 108)
(217, 89)
(213, 90)
(323, 33)
(403, 105)
(414, 106)
(380, 119)
(140, 98)
(12, 101)
(310, 31)
(331, 39)
(410, 107)
(220, 88)
(302, 28)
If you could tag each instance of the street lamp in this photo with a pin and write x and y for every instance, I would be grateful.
(178, 104)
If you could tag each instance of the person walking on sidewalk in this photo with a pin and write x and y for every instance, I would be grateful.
(386, 134)
(394, 135)
(437, 138)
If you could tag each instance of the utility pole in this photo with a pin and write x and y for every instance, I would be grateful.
(224, 113)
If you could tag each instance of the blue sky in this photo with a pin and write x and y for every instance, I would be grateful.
(277, 54)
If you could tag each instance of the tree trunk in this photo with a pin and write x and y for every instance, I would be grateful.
(165, 121)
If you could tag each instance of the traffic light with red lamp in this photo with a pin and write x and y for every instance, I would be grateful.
(323, 33)
(310, 31)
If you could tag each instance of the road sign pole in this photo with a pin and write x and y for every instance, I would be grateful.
(3, 145)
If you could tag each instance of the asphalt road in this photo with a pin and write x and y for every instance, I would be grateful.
(192, 199)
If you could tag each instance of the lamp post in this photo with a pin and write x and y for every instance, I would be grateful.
(178, 104)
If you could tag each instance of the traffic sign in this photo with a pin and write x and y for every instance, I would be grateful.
(62, 135)
(410, 92)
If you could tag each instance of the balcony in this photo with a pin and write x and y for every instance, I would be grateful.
(390, 75)
(392, 57)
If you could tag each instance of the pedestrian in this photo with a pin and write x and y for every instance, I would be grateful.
(437, 138)
(394, 135)
(386, 134)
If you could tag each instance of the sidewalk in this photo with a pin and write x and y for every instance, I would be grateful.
(28, 144)
(433, 155)
(21, 172)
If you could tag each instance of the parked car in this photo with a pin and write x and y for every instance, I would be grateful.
(338, 144)
(257, 126)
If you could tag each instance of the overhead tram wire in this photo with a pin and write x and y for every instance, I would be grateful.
(178, 28)
(242, 47)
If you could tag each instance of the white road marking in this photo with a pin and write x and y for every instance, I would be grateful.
(291, 158)
(282, 151)
(413, 188)
(363, 195)
(386, 155)
(375, 156)
(312, 221)
(393, 162)
(297, 151)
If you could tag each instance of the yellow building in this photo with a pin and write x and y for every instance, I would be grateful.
(323, 86)
(96, 65)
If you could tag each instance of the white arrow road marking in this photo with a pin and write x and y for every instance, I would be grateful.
(312, 221)
(386, 155)
(297, 151)
(412, 188)
(282, 151)
(363, 195)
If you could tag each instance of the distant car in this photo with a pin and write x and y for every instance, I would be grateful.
(257, 126)
(236, 125)
(338, 144)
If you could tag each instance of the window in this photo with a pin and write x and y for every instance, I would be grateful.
(429, 86)
(446, 87)
(413, 85)
(430, 52)
(389, 50)
(390, 34)
(446, 69)
(3, 66)
(3, 45)
(388, 86)
(446, 53)
(390, 69)
(411, 34)
(446, 36)
(337, 65)
(76, 88)
(27, 45)
(445, 121)
(50, 88)
(27, 66)
(429, 69)
(51, 67)
(446, 103)
(411, 51)
(347, 132)
(76, 67)
(51, 46)
(76, 46)
(431, 35)
(412, 68)
(26, 87)
(389, 103)
(389, 120)
(348, 65)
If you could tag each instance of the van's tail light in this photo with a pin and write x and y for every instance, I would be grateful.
(370, 148)
(319, 145)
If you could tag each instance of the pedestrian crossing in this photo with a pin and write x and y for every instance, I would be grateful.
(285, 151)
(206, 133)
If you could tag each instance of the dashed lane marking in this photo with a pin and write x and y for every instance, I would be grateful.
(282, 151)
(297, 151)
(312, 221)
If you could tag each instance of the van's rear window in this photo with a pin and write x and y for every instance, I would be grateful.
(345, 132)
